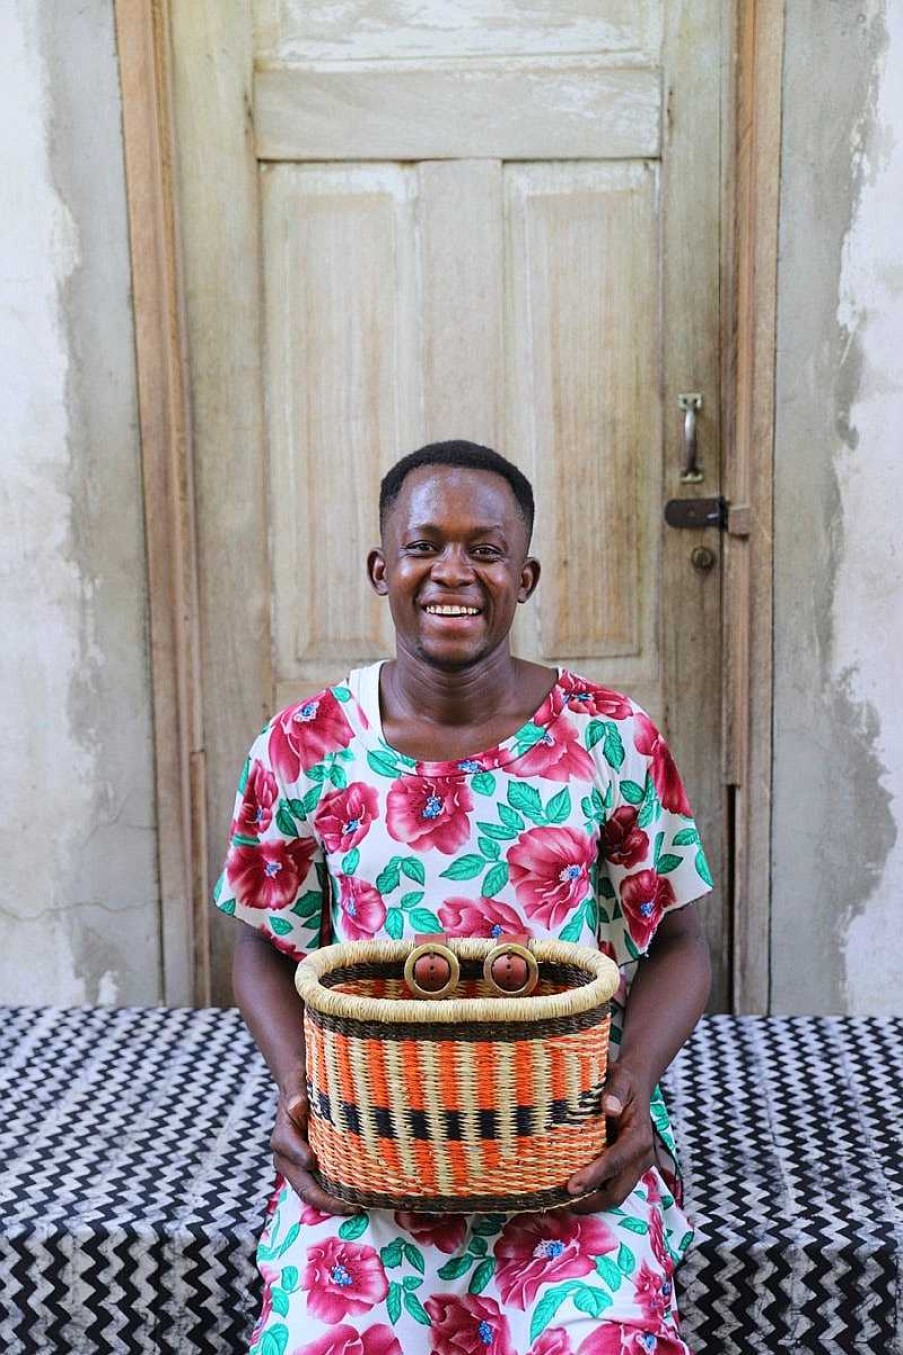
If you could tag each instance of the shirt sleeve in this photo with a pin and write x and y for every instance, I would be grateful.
(651, 856)
(274, 876)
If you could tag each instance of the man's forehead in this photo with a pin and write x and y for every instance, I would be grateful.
(428, 488)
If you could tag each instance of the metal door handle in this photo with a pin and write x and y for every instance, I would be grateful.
(692, 473)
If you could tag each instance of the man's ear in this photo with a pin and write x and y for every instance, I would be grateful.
(529, 578)
(376, 571)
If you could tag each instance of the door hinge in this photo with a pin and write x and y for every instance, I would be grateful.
(732, 518)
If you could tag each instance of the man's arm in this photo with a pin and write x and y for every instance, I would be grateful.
(264, 985)
(667, 998)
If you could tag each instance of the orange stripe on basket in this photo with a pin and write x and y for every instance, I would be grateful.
(523, 1073)
(376, 1062)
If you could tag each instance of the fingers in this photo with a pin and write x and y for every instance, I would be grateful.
(294, 1158)
(304, 1186)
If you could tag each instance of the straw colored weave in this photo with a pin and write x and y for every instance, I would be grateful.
(471, 1102)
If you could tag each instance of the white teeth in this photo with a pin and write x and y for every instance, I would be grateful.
(453, 611)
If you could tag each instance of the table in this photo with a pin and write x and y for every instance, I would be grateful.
(134, 1172)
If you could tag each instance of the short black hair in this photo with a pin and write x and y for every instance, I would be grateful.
(469, 456)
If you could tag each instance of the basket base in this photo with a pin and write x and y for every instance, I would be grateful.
(526, 1202)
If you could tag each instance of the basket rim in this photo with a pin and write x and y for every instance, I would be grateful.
(601, 988)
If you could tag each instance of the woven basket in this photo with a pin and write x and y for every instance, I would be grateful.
(469, 1102)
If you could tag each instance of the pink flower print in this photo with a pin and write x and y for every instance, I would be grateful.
(343, 817)
(255, 813)
(621, 841)
(588, 699)
(344, 1340)
(663, 770)
(310, 1216)
(554, 1341)
(429, 811)
(444, 1231)
(657, 1223)
(303, 734)
(537, 1249)
(653, 1294)
(362, 909)
(611, 1338)
(343, 1279)
(550, 872)
(558, 755)
(480, 917)
(644, 897)
(472, 1325)
(270, 874)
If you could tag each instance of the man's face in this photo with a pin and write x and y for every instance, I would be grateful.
(453, 564)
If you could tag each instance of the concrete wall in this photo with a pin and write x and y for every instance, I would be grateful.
(78, 907)
(838, 766)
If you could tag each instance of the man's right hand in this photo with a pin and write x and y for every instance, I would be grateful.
(293, 1156)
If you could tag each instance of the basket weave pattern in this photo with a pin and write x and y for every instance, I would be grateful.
(472, 1102)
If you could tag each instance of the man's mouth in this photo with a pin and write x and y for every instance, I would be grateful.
(448, 609)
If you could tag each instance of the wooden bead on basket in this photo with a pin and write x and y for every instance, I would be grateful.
(511, 969)
(432, 970)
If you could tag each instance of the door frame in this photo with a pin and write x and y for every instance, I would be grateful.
(192, 571)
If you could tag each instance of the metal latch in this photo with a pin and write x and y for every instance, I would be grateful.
(727, 517)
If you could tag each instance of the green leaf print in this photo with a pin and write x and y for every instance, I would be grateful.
(395, 923)
(393, 1303)
(631, 792)
(338, 776)
(350, 861)
(318, 772)
(559, 807)
(218, 888)
(494, 831)
(510, 817)
(228, 907)
(631, 947)
(384, 764)
(481, 1276)
(591, 1301)
(528, 736)
(410, 900)
(633, 1225)
(280, 925)
(650, 809)
(417, 1310)
(243, 779)
(668, 862)
(290, 1278)
(609, 1271)
(595, 731)
(279, 1300)
(413, 869)
(425, 921)
(548, 1306)
(289, 1238)
(495, 879)
(389, 877)
(572, 930)
(488, 1225)
(687, 837)
(456, 1267)
(606, 888)
(613, 748)
(414, 1257)
(702, 868)
(478, 1245)
(657, 850)
(591, 914)
(284, 821)
(242, 839)
(523, 796)
(483, 783)
(311, 799)
(353, 1227)
(684, 1242)
(465, 868)
(393, 1253)
(412, 1281)
(491, 850)
(296, 807)
(341, 693)
(309, 903)
(275, 1339)
(626, 1259)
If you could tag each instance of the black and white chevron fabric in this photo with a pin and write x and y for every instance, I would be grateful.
(134, 1172)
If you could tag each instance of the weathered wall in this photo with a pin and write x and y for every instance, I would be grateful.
(838, 765)
(78, 901)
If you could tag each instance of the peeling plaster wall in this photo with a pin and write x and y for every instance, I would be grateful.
(837, 942)
(78, 902)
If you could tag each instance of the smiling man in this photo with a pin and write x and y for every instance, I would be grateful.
(423, 751)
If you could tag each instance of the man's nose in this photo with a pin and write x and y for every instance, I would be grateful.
(452, 566)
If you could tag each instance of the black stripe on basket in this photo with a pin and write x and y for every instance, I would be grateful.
(507, 1032)
(447, 1204)
(526, 1119)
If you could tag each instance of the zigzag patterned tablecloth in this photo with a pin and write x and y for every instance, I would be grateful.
(134, 1170)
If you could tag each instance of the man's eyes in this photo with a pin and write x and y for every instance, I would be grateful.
(481, 552)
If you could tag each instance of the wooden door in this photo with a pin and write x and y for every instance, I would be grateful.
(489, 219)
